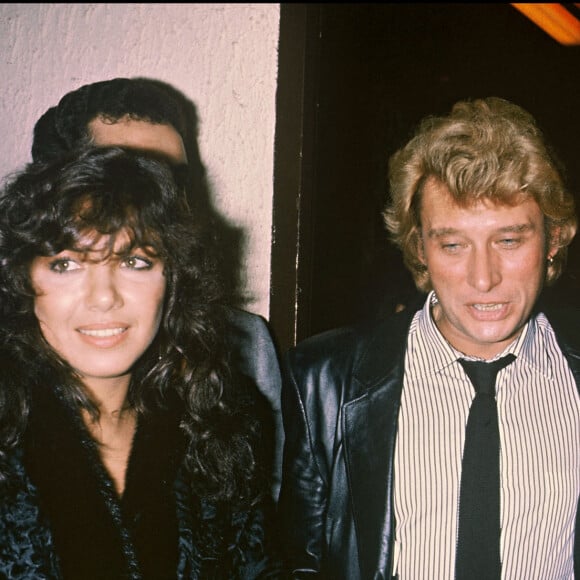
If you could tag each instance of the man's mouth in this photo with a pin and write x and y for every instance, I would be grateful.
(488, 307)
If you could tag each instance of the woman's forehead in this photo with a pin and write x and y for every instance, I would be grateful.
(95, 242)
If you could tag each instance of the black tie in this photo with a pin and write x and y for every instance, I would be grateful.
(479, 524)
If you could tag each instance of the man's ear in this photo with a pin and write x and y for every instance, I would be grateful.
(553, 242)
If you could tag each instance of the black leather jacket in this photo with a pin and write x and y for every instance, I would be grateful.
(341, 399)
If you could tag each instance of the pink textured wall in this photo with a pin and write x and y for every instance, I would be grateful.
(221, 56)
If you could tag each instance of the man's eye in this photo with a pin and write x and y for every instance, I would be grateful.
(63, 265)
(137, 263)
(509, 242)
(451, 247)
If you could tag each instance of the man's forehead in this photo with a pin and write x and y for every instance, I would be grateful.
(160, 139)
(438, 192)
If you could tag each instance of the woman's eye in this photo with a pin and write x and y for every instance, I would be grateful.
(63, 265)
(137, 263)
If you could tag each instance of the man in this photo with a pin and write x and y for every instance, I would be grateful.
(376, 419)
(154, 118)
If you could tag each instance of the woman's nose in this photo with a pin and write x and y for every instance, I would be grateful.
(102, 292)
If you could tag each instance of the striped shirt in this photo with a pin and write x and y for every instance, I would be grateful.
(539, 423)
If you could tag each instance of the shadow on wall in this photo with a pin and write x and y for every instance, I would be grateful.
(229, 239)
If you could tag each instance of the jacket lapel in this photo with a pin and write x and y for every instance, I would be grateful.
(369, 425)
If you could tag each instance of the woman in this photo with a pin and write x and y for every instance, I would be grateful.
(127, 449)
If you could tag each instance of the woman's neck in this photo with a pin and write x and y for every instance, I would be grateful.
(114, 428)
(110, 394)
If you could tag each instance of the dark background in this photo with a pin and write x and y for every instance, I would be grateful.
(371, 72)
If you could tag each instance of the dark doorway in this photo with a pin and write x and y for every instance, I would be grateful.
(366, 74)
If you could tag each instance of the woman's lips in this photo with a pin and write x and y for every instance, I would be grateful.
(103, 336)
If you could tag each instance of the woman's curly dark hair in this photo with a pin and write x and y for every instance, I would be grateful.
(46, 209)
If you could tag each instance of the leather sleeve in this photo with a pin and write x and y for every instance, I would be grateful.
(303, 499)
(322, 376)
(314, 375)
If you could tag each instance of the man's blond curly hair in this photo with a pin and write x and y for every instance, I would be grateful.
(484, 149)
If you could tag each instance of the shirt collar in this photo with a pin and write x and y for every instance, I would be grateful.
(440, 354)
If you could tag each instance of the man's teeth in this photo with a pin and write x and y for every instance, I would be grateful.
(103, 333)
(487, 306)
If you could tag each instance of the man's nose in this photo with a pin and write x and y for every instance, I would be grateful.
(484, 272)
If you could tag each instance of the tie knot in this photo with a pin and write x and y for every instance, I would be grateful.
(482, 374)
